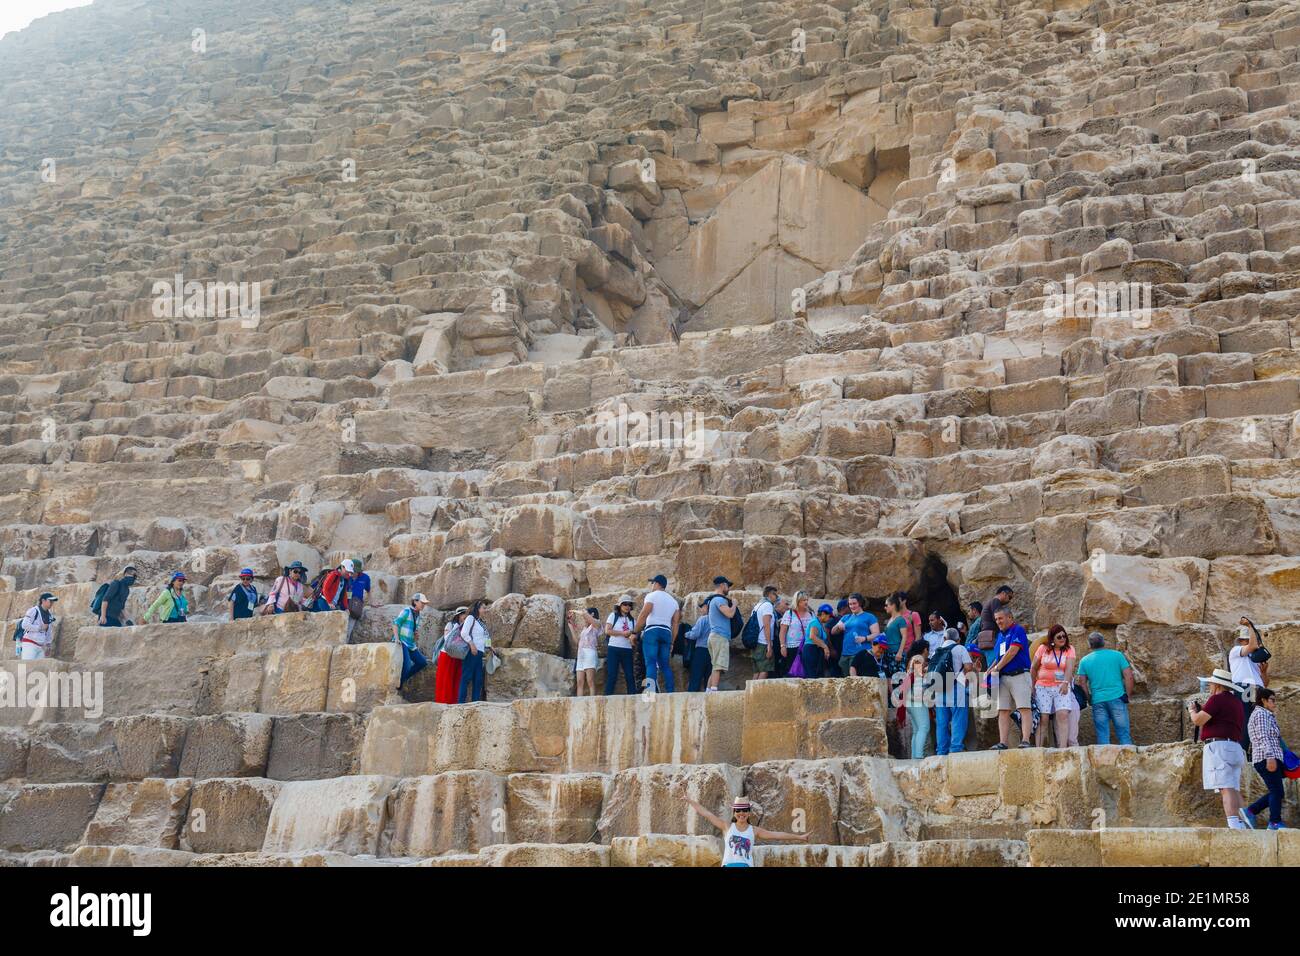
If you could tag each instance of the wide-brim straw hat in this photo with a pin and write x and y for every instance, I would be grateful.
(1222, 678)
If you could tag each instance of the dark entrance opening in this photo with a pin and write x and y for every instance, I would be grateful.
(934, 594)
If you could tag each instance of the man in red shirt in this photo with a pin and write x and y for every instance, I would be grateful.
(1221, 720)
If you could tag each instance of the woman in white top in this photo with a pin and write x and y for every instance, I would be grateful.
(38, 629)
(472, 674)
(794, 631)
(740, 834)
(620, 626)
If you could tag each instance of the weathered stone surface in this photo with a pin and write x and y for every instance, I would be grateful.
(346, 814)
(229, 815)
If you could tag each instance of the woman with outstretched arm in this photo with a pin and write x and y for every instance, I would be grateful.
(739, 835)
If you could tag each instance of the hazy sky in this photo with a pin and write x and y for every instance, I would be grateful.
(16, 14)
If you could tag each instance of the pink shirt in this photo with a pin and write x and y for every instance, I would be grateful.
(1052, 665)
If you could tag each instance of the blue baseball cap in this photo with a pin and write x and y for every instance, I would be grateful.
(881, 640)
(826, 609)
(660, 580)
(246, 573)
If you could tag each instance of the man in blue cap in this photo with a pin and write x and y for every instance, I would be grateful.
(243, 597)
(874, 662)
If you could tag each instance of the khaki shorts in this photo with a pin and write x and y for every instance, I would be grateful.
(1014, 691)
(720, 651)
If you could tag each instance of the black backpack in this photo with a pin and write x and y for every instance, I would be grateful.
(749, 636)
(97, 602)
(941, 662)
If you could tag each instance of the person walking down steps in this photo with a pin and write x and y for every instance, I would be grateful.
(739, 836)
(36, 632)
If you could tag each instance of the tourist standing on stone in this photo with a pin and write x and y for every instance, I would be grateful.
(988, 623)
(913, 620)
(113, 602)
(721, 610)
(914, 695)
(1245, 670)
(335, 587)
(874, 663)
(1106, 677)
(447, 669)
(657, 624)
(620, 627)
(243, 596)
(287, 592)
(404, 628)
(973, 630)
(701, 663)
(1266, 749)
(859, 627)
(171, 604)
(37, 629)
(473, 676)
(1220, 720)
(950, 666)
(1009, 674)
(896, 630)
(1052, 674)
(739, 836)
(765, 613)
(794, 631)
(587, 629)
(935, 635)
(816, 650)
(357, 597)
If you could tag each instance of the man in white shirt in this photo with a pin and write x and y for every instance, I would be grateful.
(765, 611)
(657, 623)
(934, 636)
(1245, 672)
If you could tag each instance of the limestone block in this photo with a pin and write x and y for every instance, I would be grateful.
(553, 808)
(663, 849)
(363, 676)
(227, 745)
(652, 799)
(346, 814)
(228, 815)
(457, 811)
(314, 746)
(145, 813)
(48, 816)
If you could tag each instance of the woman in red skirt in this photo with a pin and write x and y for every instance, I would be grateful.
(446, 687)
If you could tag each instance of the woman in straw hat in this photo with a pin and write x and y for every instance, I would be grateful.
(1220, 722)
(738, 843)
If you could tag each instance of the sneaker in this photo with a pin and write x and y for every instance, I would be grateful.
(1277, 826)
(999, 746)
(1246, 817)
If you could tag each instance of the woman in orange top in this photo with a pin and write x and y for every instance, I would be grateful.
(1053, 675)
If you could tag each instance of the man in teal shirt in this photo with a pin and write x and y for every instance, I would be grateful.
(1107, 677)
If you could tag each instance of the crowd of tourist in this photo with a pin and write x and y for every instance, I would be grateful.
(938, 672)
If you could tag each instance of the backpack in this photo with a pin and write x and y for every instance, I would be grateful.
(941, 662)
(97, 602)
(456, 646)
(737, 624)
(749, 636)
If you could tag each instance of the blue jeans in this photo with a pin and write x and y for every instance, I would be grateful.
(950, 734)
(110, 621)
(1273, 799)
(919, 719)
(617, 658)
(1111, 712)
(701, 667)
(413, 661)
(471, 677)
(656, 646)
(814, 660)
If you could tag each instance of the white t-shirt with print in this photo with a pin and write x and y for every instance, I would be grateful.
(738, 847)
(662, 608)
(625, 625)
(798, 631)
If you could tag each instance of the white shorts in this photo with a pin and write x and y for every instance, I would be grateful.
(588, 659)
(28, 651)
(1221, 763)
(1050, 700)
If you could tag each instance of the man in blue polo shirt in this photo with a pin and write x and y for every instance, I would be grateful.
(1009, 674)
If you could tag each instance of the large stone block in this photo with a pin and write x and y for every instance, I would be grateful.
(662, 849)
(363, 676)
(459, 811)
(553, 808)
(652, 799)
(782, 717)
(346, 814)
(227, 745)
(229, 815)
(314, 746)
(48, 816)
(145, 813)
